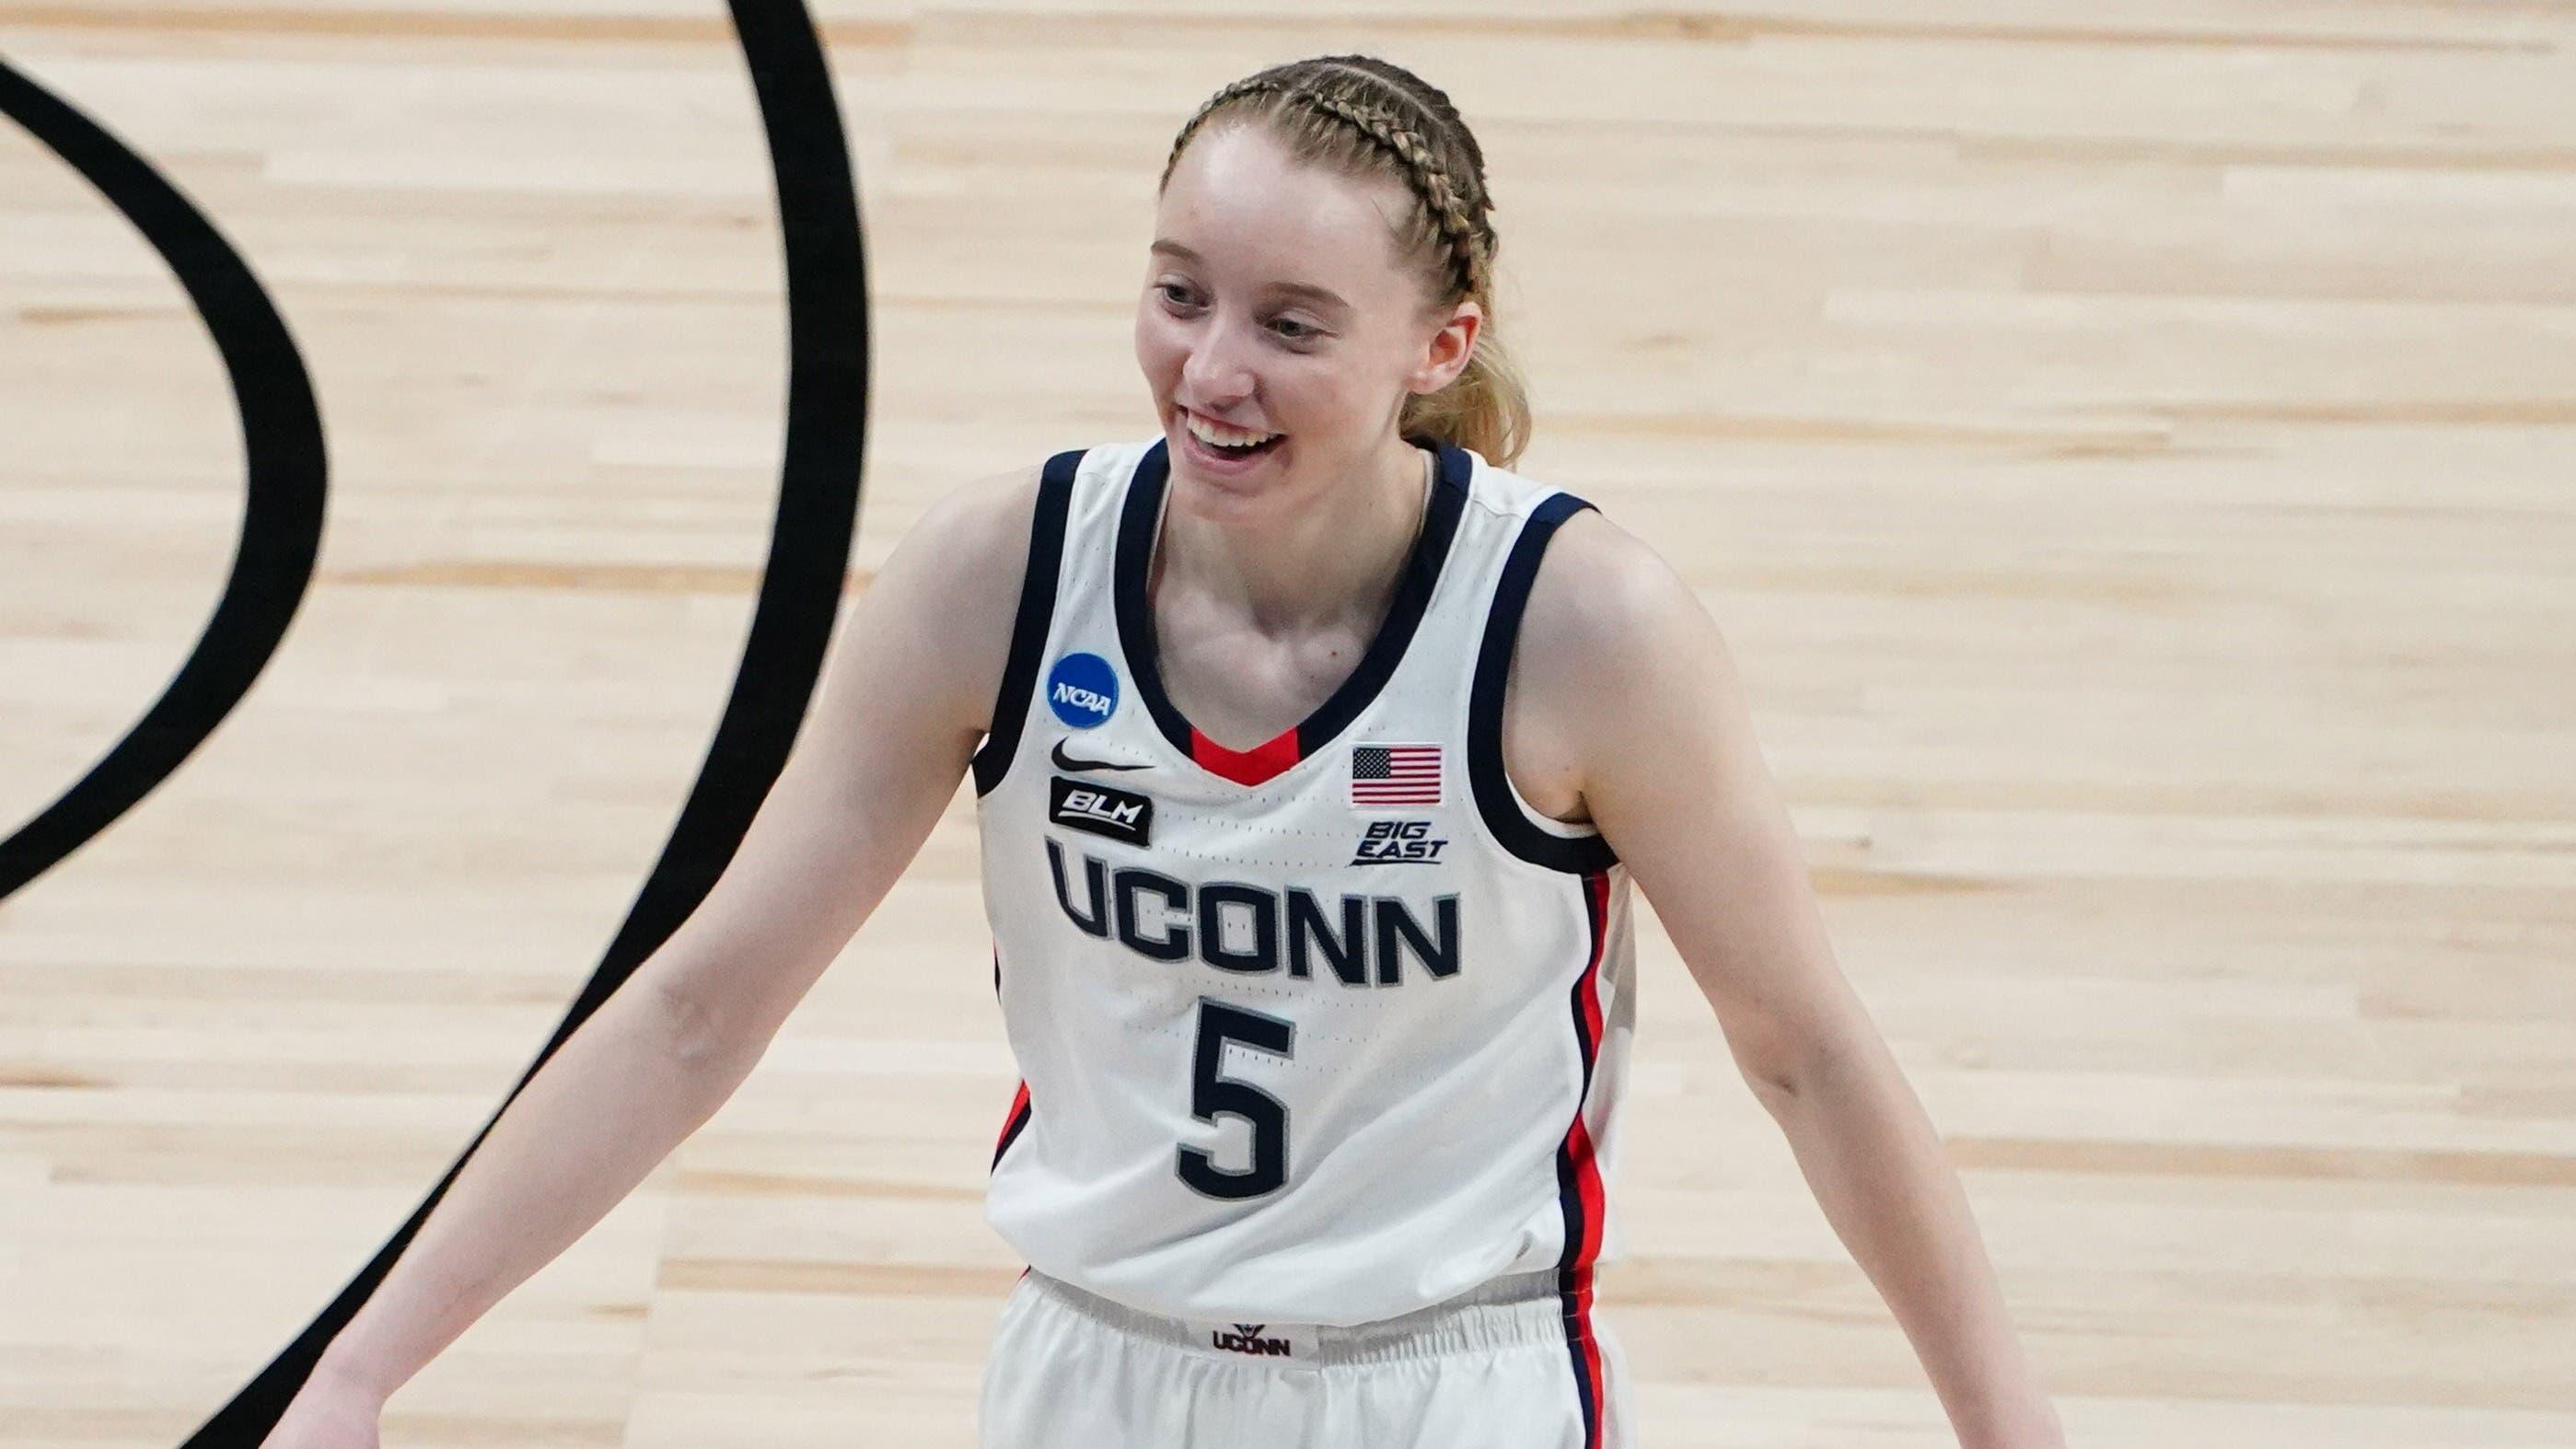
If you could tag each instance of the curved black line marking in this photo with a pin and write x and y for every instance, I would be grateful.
(791, 625)
(287, 492)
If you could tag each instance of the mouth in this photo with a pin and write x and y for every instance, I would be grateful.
(1223, 452)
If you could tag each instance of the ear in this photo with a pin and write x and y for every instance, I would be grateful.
(1448, 350)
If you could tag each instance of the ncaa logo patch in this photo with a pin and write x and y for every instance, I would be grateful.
(1082, 690)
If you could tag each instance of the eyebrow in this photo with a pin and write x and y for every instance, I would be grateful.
(1294, 289)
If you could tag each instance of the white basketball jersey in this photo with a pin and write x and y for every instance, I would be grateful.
(1331, 1029)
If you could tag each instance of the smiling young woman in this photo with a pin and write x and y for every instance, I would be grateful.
(1349, 802)
(1313, 758)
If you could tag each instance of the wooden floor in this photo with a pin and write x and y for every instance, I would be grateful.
(2130, 446)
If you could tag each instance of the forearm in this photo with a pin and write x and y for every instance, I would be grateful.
(607, 1107)
(1877, 1168)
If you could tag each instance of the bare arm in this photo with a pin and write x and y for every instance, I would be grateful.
(903, 702)
(1675, 781)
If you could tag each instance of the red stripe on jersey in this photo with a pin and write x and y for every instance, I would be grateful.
(1246, 767)
(1578, 1139)
(1011, 1121)
(1578, 1158)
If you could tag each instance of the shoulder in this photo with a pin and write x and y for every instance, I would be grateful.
(952, 582)
(1603, 602)
(1607, 619)
(970, 546)
(979, 525)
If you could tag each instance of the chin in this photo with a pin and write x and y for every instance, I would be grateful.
(1218, 497)
(1227, 500)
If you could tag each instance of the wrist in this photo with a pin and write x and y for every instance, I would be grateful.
(345, 1372)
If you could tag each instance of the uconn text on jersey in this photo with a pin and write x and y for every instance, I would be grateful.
(1250, 929)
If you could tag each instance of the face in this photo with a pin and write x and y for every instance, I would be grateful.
(1275, 302)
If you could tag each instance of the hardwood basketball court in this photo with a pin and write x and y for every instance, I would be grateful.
(2128, 447)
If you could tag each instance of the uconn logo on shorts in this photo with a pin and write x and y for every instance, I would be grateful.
(1257, 1340)
(1082, 690)
(1247, 1338)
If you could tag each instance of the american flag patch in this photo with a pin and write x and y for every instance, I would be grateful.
(1394, 775)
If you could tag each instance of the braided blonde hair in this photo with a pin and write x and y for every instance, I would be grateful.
(1367, 118)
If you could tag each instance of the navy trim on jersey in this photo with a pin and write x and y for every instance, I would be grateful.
(1582, 1198)
(1504, 816)
(1016, 1120)
(1012, 1126)
(1136, 524)
(1029, 629)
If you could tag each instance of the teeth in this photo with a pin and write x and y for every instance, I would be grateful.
(1208, 432)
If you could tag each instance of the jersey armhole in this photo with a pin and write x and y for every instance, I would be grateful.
(1508, 818)
(992, 759)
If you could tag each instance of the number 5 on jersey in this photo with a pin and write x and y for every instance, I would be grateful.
(1212, 1095)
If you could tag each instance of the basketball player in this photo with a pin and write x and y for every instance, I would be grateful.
(1314, 751)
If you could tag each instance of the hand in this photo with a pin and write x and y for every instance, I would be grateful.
(330, 1412)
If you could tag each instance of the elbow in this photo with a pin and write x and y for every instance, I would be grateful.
(688, 1032)
(1776, 1091)
(1785, 1070)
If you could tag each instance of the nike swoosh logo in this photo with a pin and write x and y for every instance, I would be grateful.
(1064, 761)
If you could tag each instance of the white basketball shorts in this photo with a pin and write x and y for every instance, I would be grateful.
(1490, 1369)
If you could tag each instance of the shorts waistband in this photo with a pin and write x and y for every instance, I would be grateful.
(1503, 1312)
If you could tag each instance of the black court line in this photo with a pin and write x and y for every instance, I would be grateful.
(287, 492)
(800, 590)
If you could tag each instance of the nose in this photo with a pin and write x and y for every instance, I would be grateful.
(1214, 375)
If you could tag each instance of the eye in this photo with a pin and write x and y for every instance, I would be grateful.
(1168, 288)
(1303, 333)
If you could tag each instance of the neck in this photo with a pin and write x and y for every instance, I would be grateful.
(1305, 563)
